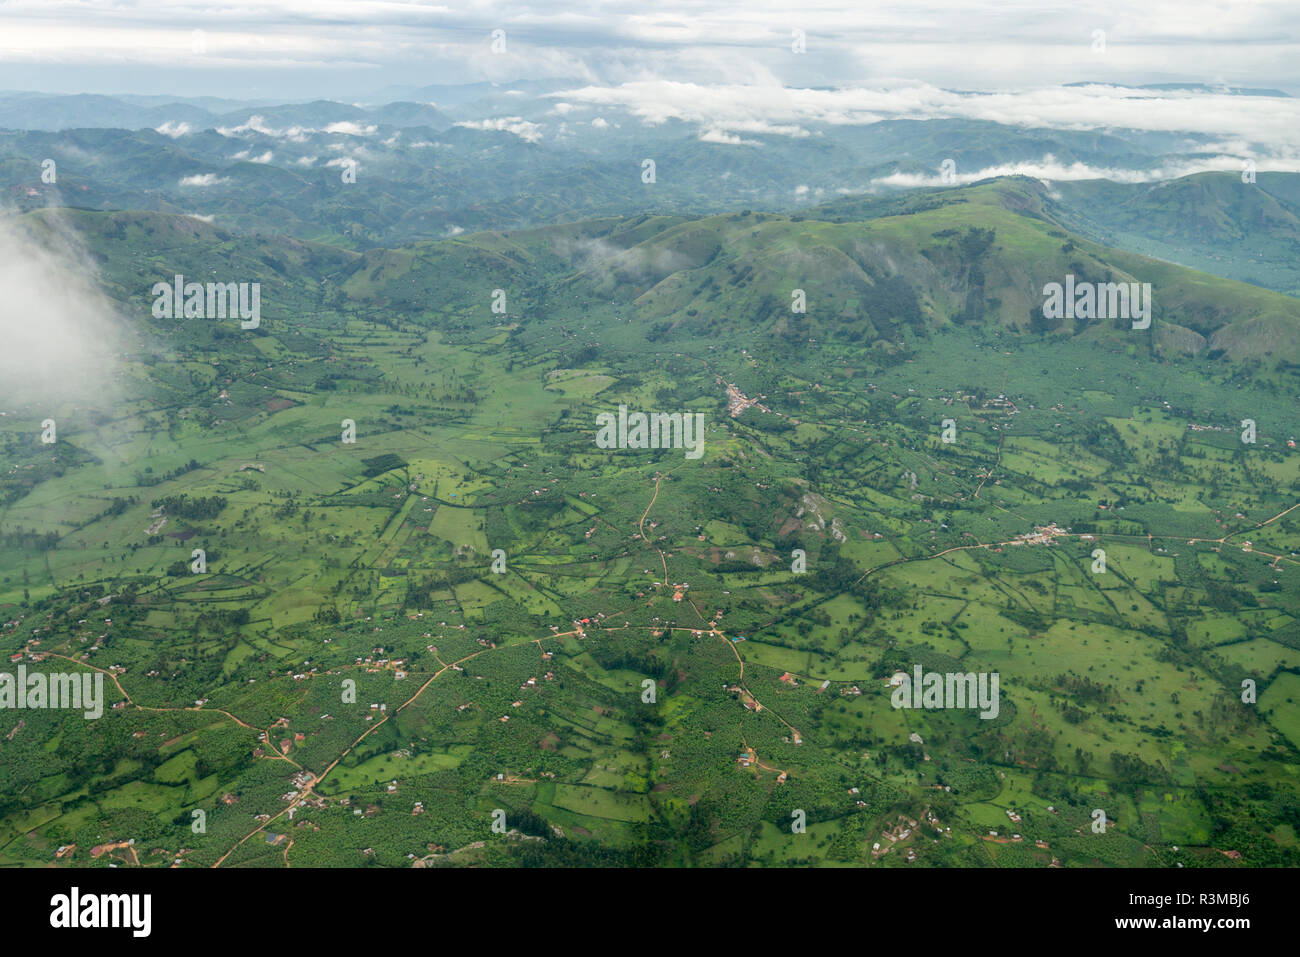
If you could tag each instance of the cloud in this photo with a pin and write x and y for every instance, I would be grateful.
(254, 124)
(727, 139)
(1049, 169)
(1270, 122)
(174, 130)
(302, 47)
(615, 263)
(295, 134)
(525, 130)
(203, 179)
(248, 155)
(347, 128)
(60, 331)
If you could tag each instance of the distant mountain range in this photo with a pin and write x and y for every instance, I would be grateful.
(443, 160)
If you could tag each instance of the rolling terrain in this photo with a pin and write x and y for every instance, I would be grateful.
(472, 606)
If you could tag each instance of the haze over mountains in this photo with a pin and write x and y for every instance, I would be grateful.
(445, 160)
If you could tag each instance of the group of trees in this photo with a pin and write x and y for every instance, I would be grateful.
(198, 507)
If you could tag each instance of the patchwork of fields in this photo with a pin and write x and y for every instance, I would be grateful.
(473, 614)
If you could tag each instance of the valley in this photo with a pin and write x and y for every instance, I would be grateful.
(464, 603)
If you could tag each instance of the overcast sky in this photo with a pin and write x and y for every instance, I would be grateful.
(352, 49)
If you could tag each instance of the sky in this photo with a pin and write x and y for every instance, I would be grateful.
(731, 71)
(354, 50)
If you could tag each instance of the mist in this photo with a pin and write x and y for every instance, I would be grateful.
(59, 333)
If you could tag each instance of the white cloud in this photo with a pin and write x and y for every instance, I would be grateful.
(949, 42)
(525, 130)
(295, 134)
(254, 124)
(60, 331)
(1273, 122)
(727, 139)
(347, 128)
(1049, 169)
(174, 130)
(203, 179)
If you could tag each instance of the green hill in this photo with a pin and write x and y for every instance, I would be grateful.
(978, 256)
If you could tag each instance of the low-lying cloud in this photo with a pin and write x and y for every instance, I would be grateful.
(203, 179)
(61, 333)
(1049, 169)
(525, 130)
(174, 130)
(1271, 124)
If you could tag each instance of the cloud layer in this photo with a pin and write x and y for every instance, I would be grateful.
(1273, 123)
(338, 47)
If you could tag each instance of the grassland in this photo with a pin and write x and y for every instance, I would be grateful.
(472, 608)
